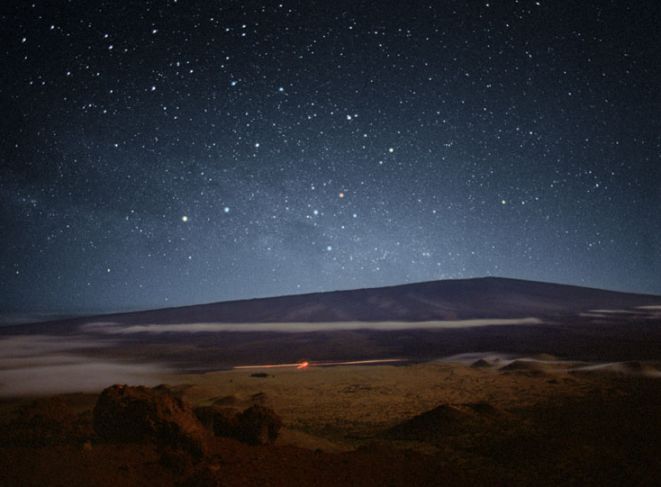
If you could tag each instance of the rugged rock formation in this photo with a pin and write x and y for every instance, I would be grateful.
(257, 425)
(136, 414)
(222, 421)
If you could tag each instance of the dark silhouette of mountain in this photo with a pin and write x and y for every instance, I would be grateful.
(563, 326)
(459, 299)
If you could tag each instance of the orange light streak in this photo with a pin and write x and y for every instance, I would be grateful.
(305, 364)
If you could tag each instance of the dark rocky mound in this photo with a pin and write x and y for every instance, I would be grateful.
(260, 375)
(528, 367)
(257, 425)
(222, 421)
(137, 414)
(480, 364)
(446, 420)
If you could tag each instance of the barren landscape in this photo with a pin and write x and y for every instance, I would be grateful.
(440, 423)
(537, 394)
(330, 243)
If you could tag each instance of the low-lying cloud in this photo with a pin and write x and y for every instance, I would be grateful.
(638, 313)
(117, 329)
(43, 364)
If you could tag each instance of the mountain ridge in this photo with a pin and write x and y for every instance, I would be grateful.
(452, 299)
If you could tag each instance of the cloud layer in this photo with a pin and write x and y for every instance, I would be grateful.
(43, 364)
(117, 329)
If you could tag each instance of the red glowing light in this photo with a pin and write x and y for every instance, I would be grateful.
(305, 364)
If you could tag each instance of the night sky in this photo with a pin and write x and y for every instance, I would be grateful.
(160, 153)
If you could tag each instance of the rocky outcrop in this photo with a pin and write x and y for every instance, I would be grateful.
(480, 364)
(257, 425)
(447, 420)
(222, 421)
(136, 414)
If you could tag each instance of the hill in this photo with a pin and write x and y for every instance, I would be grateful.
(459, 299)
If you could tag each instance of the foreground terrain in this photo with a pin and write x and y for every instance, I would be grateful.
(488, 419)
(416, 394)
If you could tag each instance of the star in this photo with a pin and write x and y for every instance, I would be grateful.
(261, 136)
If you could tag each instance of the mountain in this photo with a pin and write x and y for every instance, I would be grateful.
(519, 317)
(459, 299)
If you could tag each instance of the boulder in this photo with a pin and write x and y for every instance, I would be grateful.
(480, 364)
(257, 425)
(222, 421)
(137, 414)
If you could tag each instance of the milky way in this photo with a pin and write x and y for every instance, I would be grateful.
(179, 152)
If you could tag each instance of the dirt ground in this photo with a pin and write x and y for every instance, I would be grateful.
(439, 423)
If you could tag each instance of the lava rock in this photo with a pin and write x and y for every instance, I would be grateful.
(258, 425)
(136, 414)
(221, 421)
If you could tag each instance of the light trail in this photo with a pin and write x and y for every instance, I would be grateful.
(306, 364)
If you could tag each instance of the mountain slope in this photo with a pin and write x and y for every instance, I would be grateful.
(436, 300)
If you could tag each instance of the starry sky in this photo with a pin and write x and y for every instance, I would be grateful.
(161, 153)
